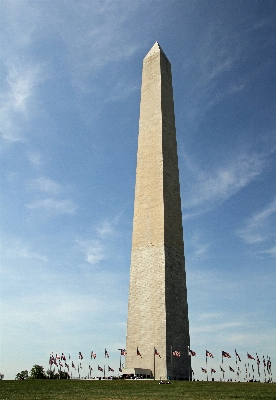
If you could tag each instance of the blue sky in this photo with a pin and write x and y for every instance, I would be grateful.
(70, 79)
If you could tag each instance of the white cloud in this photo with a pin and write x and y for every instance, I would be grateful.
(105, 228)
(95, 36)
(52, 206)
(215, 56)
(93, 250)
(271, 251)
(18, 249)
(35, 158)
(98, 248)
(200, 250)
(209, 187)
(213, 65)
(258, 228)
(16, 100)
(46, 185)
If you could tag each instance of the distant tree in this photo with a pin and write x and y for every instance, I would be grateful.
(63, 375)
(51, 374)
(21, 376)
(37, 372)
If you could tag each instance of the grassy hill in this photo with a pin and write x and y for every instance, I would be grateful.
(130, 390)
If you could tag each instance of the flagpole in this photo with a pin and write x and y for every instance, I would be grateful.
(171, 363)
(236, 363)
(190, 360)
(257, 364)
(267, 368)
(206, 363)
(153, 362)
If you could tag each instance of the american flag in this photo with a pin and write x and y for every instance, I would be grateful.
(123, 352)
(231, 369)
(192, 353)
(176, 353)
(208, 354)
(138, 352)
(225, 354)
(204, 370)
(106, 353)
(110, 369)
(237, 356)
(222, 370)
(213, 370)
(156, 353)
(250, 357)
(94, 355)
(80, 355)
(100, 368)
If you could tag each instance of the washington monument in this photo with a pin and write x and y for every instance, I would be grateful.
(157, 325)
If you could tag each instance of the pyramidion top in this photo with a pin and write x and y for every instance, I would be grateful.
(155, 49)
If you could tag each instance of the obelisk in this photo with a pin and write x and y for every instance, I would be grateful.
(157, 322)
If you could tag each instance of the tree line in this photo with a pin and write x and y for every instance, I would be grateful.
(37, 372)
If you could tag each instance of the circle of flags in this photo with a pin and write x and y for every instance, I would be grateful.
(255, 368)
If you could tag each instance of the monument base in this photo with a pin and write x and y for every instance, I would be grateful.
(140, 373)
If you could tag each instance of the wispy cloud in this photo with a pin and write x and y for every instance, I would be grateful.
(35, 158)
(210, 187)
(105, 228)
(108, 227)
(18, 249)
(271, 251)
(259, 228)
(213, 66)
(100, 39)
(213, 60)
(45, 185)
(199, 249)
(53, 207)
(93, 250)
(16, 100)
(97, 248)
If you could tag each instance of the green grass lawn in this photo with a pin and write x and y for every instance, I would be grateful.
(118, 389)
